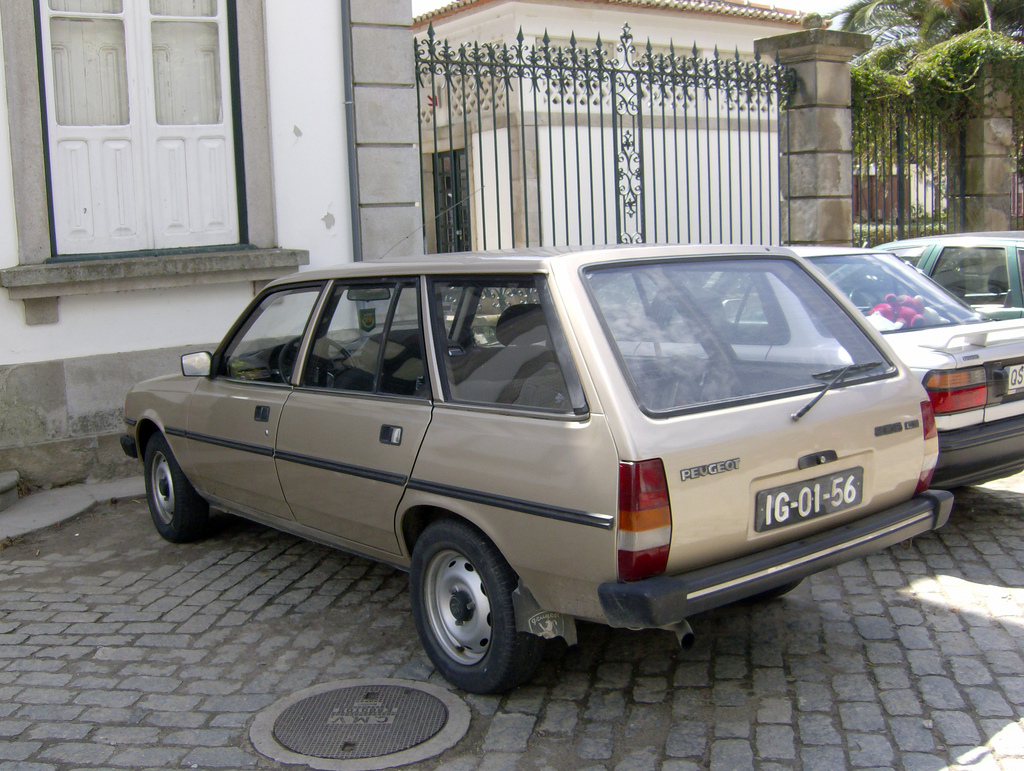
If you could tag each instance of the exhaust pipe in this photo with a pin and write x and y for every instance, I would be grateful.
(684, 634)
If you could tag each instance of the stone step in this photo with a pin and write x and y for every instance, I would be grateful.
(8, 489)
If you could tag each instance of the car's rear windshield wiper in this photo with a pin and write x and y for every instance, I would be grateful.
(837, 376)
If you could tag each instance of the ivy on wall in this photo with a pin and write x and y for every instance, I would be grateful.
(944, 83)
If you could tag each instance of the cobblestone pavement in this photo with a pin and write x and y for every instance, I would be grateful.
(118, 650)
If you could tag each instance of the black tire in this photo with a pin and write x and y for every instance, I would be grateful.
(774, 594)
(179, 512)
(461, 590)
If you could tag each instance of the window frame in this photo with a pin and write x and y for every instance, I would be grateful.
(142, 129)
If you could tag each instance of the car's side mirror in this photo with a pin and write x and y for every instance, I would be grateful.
(196, 364)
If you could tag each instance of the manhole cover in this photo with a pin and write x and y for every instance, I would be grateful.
(360, 722)
(361, 725)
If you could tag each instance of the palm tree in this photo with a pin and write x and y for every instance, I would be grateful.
(903, 28)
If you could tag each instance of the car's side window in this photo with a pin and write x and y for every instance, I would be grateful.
(369, 340)
(975, 274)
(497, 346)
(266, 345)
(403, 370)
(744, 309)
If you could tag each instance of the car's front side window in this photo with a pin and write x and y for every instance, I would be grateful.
(497, 344)
(693, 334)
(265, 347)
(369, 340)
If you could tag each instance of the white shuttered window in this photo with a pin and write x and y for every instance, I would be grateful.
(139, 120)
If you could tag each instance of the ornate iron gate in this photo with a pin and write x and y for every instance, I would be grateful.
(573, 145)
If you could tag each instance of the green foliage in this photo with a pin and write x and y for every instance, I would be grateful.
(947, 78)
(874, 233)
(876, 90)
(943, 82)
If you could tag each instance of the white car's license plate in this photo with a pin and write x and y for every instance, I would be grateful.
(1014, 378)
(785, 505)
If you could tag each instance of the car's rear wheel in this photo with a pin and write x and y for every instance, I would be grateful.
(461, 591)
(179, 512)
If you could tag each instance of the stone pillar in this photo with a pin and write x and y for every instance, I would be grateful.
(989, 169)
(386, 129)
(816, 135)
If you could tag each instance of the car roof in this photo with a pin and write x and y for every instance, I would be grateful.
(827, 251)
(988, 235)
(534, 259)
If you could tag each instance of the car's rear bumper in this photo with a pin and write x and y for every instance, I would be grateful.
(664, 600)
(980, 453)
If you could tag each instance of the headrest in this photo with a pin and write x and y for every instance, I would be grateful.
(517, 320)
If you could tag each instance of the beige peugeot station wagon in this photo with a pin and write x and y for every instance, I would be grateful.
(628, 435)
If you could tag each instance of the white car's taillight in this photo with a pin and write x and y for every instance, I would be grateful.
(957, 390)
(645, 520)
(931, 447)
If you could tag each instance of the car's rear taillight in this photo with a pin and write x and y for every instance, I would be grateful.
(645, 520)
(931, 447)
(957, 390)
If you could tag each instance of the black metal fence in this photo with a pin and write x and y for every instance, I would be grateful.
(909, 177)
(1017, 178)
(544, 144)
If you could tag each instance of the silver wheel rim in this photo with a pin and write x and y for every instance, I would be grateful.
(458, 610)
(162, 488)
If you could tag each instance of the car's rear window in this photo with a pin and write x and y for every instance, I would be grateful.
(695, 334)
(892, 294)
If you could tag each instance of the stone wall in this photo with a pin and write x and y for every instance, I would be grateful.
(60, 421)
(816, 168)
(386, 129)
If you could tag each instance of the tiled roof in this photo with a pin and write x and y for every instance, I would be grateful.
(740, 8)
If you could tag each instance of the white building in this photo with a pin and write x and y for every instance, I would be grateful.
(697, 164)
(159, 161)
(729, 25)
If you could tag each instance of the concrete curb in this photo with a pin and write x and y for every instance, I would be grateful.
(48, 507)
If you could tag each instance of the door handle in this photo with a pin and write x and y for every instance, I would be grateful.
(391, 435)
(262, 414)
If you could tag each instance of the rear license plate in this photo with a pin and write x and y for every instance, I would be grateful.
(788, 504)
(1014, 378)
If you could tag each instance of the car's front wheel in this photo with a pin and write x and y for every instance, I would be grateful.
(179, 512)
(461, 591)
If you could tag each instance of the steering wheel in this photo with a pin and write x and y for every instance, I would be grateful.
(283, 358)
(862, 298)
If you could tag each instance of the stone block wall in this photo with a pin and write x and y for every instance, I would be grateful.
(386, 129)
(61, 421)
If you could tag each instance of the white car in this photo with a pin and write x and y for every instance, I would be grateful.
(971, 366)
